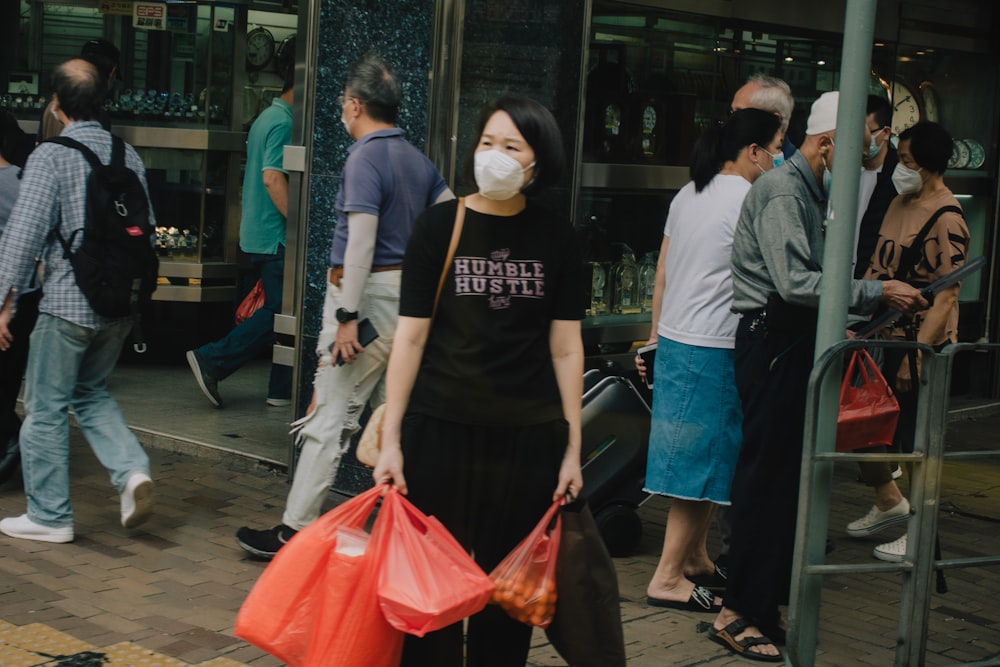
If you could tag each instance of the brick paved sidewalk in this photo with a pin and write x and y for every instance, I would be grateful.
(172, 587)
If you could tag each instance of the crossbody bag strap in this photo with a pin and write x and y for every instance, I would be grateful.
(456, 233)
(903, 272)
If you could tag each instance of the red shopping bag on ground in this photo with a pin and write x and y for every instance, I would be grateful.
(868, 410)
(428, 580)
(526, 579)
(316, 604)
(251, 303)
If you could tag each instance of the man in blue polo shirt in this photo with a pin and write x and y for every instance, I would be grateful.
(386, 183)
(262, 238)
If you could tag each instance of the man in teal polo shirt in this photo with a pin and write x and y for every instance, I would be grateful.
(262, 238)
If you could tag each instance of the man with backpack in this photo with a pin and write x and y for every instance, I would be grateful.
(92, 291)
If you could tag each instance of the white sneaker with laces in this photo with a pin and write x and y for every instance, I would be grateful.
(892, 552)
(26, 529)
(876, 520)
(137, 500)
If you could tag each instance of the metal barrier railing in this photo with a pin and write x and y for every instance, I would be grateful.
(919, 564)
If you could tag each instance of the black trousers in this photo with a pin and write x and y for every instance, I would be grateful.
(12, 364)
(489, 486)
(772, 373)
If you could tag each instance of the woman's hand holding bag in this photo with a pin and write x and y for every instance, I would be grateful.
(526, 579)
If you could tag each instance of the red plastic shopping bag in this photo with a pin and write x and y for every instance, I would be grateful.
(868, 410)
(428, 580)
(526, 579)
(251, 303)
(316, 604)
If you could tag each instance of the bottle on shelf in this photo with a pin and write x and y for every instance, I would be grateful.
(598, 283)
(647, 279)
(625, 281)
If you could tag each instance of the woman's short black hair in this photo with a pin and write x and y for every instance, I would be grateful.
(930, 145)
(539, 128)
(722, 142)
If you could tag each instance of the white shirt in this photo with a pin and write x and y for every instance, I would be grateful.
(699, 287)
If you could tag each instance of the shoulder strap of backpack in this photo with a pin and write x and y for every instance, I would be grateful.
(92, 158)
(903, 272)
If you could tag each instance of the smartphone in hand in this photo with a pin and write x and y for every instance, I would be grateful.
(366, 334)
(648, 354)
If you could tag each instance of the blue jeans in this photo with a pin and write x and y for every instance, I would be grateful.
(255, 336)
(68, 366)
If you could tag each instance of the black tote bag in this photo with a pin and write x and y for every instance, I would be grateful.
(587, 627)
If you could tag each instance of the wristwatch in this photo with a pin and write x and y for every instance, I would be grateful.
(345, 315)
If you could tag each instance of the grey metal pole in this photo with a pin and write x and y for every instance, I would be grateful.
(859, 30)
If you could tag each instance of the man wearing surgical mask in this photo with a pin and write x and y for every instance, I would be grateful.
(923, 237)
(876, 190)
(385, 184)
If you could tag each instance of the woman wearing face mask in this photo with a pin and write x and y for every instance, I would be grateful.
(923, 237)
(695, 433)
(482, 416)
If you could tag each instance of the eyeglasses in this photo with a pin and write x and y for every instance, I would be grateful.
(876, 130)
(341, 99)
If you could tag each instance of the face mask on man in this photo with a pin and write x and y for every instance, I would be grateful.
(873, 149)
(498, 175)
(906, 180)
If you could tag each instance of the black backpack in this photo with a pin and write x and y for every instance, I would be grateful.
(115, 266)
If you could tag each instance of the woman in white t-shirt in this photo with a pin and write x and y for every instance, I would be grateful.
(695, 433)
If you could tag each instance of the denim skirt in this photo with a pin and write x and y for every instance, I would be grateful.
(696, 427)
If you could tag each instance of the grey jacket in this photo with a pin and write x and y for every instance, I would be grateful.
(778, 246)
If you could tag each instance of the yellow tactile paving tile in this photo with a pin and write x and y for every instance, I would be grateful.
(36, 644)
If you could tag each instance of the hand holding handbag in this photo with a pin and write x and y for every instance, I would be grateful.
(370, 444)
(868, 410)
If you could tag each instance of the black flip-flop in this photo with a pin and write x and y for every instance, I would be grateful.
(727, 637)
(702, 600)
(715, 582)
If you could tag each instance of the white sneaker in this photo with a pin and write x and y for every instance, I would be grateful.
(26, 529)
(137, 500)
(876, 520)
(893, 552)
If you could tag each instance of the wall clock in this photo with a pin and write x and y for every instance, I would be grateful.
(260, 48)
(977, 154)
(959, 155)
(905, 107)
(929, 94)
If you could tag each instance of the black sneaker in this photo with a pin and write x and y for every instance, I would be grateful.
(209, 386)
(264, 543)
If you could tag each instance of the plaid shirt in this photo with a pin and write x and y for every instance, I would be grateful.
(54, 189)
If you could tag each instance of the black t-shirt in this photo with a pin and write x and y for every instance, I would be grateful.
(487, 359)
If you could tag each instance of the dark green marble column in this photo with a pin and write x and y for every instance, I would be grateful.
(401, 32)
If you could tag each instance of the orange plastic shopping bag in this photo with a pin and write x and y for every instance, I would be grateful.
(428, 580)
(526, 579)
(316, 604)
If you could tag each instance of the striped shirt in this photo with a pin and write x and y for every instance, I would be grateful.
(54, 194)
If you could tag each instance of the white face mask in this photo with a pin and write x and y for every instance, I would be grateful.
(498, 175)
(906, 180)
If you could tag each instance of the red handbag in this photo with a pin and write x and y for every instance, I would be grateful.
(868, 409)
(251, 303)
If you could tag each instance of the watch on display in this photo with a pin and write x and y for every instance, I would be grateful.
(260, 48)
(344, 316)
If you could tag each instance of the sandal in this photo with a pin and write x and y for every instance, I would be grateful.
(727, 638)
